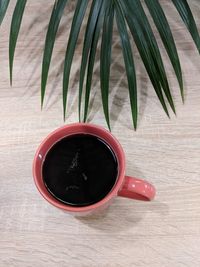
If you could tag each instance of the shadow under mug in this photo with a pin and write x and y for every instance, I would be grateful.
(125, 186)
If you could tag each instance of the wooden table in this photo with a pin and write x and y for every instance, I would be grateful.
(164, 233)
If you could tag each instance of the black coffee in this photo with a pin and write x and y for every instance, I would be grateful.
(80, 170)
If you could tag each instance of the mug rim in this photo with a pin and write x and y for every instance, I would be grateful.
(80, 128)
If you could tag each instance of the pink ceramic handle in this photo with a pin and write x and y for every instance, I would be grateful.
(137, 189)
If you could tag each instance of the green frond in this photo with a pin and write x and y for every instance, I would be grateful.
(187, 17)
(3, 7)
(146, 44)
(14, 31)
(128, 60)
(92, 55)
(164, 30)
(105, 57)
(130, 17)
(54, 22)
(91, 24)
(73, 37)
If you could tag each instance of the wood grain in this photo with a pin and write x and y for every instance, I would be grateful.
(163, 233)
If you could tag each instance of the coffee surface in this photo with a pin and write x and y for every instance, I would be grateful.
(80, 170)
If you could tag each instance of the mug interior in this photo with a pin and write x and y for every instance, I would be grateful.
(72, 129)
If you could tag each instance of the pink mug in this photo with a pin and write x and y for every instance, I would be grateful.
(125, 186)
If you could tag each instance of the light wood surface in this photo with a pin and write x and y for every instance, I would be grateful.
(164, 233)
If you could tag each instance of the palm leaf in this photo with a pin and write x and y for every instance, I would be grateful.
(167, 38)
(3, 7)
(155, 51)
(91, 24)
(129, 63)
(14, 31)
(54, 22)
(145, 47)
(92, 55)
(187, 17)
(128, 13)
(74, 33)
(105, 57)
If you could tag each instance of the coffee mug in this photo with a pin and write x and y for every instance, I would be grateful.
(124, 186)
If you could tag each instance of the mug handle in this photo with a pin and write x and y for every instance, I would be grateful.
(137, 189)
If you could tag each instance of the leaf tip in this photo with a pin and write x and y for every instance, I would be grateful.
(41, 105)
(85, 117)
(42, 101)
(109, 127)
(79, 114)
(174, 110)
(64, 116)
(11, 76)
(64, 110)
(183, 97)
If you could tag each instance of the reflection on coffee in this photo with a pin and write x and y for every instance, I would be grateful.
(80, 170)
